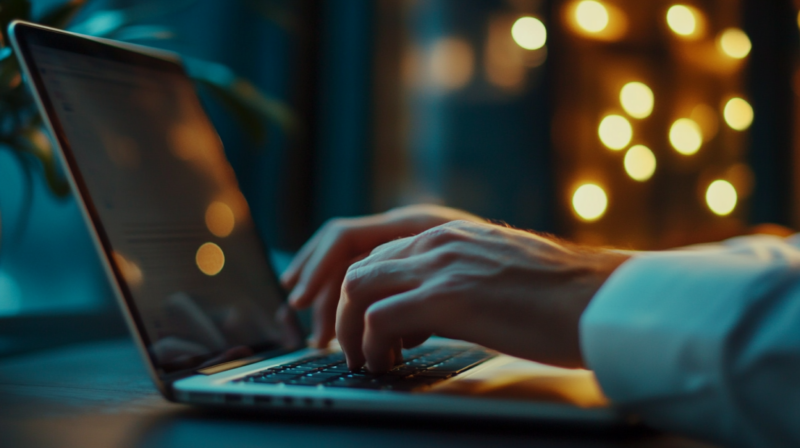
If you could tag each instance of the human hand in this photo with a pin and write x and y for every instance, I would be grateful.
(510, 290)
(316, 273)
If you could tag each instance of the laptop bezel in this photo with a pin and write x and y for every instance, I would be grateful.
(161, 60)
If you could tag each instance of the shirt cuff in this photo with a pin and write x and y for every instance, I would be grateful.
(655, 327)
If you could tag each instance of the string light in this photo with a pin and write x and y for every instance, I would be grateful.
(721, 197)
(738, 114)
(592, 16)
(685, 136)
(637, 99)
(529, 33)
(615, 132)
(682, 20)
(589, 202)
(640, 163)
(735, 43)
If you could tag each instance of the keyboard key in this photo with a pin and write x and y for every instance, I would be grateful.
(299, 370)
(456, 365)
(274, 379)
(311, 380)
(403, 370)
(324, 376)
(421, 368)
(345, 382)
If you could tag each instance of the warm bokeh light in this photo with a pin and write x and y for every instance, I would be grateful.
(505, 62)
(529, 33)
(682, 20)
(185, 141)
(721, 197)
(735, 43)
(589, 202)
(706, 117)
(219, 219)
(637, 99)
(640, 163)
(738, 114)
(685, 136)
(42, 141)
(210, 259)
(130, 271)
(615, 132)
(742, 178)
(452, 63)
(592, 16)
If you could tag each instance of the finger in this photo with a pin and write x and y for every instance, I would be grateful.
(418, 244)
(292, 273)
(324, 315)
(362, 287)
(398, 249)
(338, 246)
(397, 353)
(389, 322)
(415, 340)
(317, 269)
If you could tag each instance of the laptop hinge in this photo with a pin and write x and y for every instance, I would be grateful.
(230, 365)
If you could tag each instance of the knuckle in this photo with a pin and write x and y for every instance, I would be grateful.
(442, 234)
(459, 224)
(355, 277)
(350, 282)
(374, 318)
(447, 255)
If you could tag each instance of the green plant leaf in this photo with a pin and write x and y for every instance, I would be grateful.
(251, 122)
(11, 10)
(37, 143)
(26, 204)
(10, 76)
(275, 13)
(105, 23)
(142, 32)
(241, 97)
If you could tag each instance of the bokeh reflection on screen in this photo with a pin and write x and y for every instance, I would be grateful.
(181, 231)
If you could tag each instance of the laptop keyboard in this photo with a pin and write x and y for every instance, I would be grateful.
(421, 368)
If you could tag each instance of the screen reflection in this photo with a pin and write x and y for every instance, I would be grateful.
(168, 202)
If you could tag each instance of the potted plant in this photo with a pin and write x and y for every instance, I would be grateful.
(22, 132)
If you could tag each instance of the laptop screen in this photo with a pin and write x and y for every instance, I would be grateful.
(165, 203)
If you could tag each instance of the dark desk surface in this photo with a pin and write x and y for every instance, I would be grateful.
(98, 395)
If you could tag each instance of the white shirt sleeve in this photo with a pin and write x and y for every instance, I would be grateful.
(705, 342)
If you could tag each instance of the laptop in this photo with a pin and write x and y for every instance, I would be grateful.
(194, 279)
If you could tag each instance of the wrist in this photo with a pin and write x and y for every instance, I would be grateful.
(604, 264)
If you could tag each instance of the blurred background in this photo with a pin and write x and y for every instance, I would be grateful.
(641, 125)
